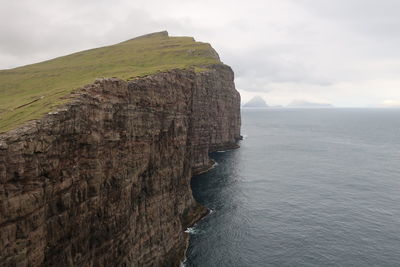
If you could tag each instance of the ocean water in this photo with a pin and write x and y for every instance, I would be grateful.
(306, 188)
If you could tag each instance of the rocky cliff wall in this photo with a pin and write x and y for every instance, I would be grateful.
(105, 180)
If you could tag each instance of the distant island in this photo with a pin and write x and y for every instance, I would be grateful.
(306, 104)
(256, 102)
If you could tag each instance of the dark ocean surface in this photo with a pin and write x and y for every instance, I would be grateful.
(306, 188)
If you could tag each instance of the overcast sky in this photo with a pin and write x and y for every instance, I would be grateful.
(343, 52)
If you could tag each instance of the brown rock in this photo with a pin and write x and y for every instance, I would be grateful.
(105, 180)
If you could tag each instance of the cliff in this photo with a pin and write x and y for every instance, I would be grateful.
(104, 179)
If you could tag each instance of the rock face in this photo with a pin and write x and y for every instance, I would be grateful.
(105, 180)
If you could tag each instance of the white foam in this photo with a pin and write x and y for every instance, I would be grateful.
(214, 165)
(194, 231)
(190, 230)
(183, 263)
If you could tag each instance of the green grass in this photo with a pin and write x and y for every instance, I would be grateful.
(30, 91)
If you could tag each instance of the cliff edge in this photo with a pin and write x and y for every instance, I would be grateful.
(104, 178)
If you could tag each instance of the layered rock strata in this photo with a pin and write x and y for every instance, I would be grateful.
(105, 180)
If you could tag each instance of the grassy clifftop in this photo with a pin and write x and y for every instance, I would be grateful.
(30, 91)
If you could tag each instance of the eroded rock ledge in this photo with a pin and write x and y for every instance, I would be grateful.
(105, 180)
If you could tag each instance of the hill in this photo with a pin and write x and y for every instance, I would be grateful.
(256, 102)
(30, 91)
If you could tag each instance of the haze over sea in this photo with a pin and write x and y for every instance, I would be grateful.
(306, 188)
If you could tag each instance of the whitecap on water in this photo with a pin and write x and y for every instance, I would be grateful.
(214, 165)
(190, 230)
(193, 231)
(183, 263)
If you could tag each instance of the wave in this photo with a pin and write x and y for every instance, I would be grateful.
(190, 230)
(214, 165)
(194, 231)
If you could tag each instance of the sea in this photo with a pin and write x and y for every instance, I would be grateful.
(307, 187)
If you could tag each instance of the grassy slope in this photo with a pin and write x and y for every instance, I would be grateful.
(28, 92)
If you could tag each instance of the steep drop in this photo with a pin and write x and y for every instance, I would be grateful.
(104, 180)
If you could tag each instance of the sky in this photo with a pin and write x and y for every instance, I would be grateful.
(342, 52)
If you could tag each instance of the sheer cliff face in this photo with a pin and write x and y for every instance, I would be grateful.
(105, 180)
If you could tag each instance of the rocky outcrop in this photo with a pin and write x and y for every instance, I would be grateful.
(105, 180)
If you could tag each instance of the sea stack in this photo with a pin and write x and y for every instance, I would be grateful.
(256, 102)
(97, 150)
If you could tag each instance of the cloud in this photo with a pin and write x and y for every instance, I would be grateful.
(344, 52)
(391, 103)
(34, 32)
